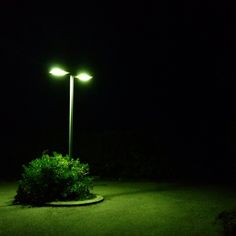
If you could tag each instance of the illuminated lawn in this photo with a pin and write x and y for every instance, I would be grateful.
(129, 208)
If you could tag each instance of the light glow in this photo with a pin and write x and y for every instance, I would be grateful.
(58, 72)
(84, 77)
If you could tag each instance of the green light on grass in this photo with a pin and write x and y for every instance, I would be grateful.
(58, 72)
(84, 77)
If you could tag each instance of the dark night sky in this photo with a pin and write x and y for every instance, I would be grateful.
(167, 68)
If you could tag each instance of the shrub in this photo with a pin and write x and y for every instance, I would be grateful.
(52, 178)
(228, 221)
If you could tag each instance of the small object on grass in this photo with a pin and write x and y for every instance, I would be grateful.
(228, 221)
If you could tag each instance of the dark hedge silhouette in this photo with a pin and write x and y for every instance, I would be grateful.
(228, 221)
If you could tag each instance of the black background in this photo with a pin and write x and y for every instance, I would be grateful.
(163, 72)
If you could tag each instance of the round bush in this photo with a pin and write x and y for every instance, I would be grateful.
(52, 178)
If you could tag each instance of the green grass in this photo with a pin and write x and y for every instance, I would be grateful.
(129, 208)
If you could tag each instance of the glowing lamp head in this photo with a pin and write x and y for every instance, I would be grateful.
(84, 77)
(58, 72)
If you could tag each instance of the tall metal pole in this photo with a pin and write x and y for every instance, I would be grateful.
(71, 115)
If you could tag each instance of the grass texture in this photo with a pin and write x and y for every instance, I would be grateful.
(129, 208)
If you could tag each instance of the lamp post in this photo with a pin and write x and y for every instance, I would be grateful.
(81, 76)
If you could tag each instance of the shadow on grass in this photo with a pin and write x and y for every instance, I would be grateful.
(153, 189)
(111, 196)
